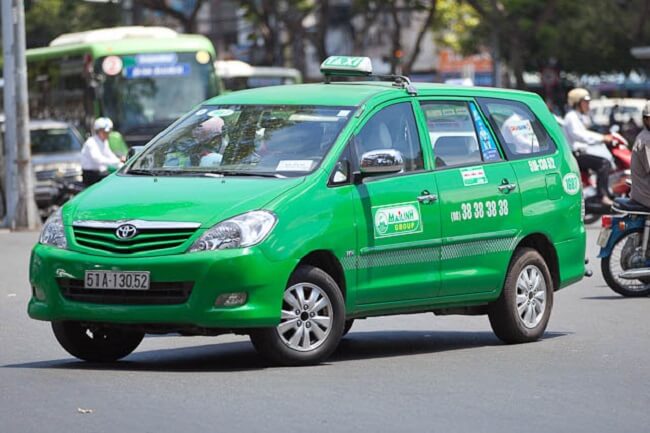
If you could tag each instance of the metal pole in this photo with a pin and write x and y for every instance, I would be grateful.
(26, 216)
(9, 71)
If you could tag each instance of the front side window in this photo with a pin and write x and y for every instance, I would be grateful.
(519, 131)
(392, 128)
(275, 140)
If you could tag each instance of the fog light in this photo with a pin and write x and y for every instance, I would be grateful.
(232, 299)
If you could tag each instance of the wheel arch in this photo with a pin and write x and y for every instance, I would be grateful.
(546, 249)
(327, 261)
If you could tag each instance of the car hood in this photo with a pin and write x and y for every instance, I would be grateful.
(183, 199)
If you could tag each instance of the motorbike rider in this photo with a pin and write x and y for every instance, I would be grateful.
(641, 162)
(588, 147)
(96, 154)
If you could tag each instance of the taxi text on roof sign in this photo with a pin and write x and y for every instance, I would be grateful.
(334, 65)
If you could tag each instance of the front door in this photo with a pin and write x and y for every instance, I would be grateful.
(397, 216)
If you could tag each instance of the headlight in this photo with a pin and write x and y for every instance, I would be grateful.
(243, 230)
(53, 232)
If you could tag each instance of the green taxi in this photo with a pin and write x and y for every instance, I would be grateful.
(285, 213)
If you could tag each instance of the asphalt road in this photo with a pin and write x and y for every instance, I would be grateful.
(412, 373)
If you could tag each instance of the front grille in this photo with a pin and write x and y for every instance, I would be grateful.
(104, 239)
(159, 293)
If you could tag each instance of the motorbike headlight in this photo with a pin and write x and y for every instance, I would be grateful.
(53, 232)
(241, 231)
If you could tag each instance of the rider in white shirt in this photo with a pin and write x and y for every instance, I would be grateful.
(588, 147)
(96, 154)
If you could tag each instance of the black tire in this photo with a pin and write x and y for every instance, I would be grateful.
(627, 288)
(96, 343)
(275, 344)
(347, 327)
(591, 218)
(507, 322)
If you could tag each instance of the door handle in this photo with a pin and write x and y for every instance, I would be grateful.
(426, 197)
(507, 187)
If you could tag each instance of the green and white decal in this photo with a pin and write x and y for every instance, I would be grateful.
(473, 176)
(396, 220)
(571, 184)
(346, 65)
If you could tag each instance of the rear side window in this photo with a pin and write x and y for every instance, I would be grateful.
(452, 127)
(518, 129)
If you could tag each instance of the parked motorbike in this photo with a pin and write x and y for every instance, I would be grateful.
(624, 249)
(55, 194)
(619, 178)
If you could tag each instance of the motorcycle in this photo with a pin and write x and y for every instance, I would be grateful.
(55, 194)
(624, 250)
(618, 179)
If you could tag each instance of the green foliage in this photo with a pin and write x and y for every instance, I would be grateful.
(46, 19)
(584, 37)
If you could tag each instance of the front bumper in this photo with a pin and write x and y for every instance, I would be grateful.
(212, 273)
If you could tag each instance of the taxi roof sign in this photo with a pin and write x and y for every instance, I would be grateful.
(346, 65)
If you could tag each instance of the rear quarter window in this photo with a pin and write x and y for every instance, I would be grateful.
(518, 129)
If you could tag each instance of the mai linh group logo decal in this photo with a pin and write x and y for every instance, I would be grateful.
(396, 220)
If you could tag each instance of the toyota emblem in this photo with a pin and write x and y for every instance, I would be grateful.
(126, 231)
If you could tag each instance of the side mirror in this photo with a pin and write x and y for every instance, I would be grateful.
(381, 161)
(133, 151)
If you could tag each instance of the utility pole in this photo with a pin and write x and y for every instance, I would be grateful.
(21, 207)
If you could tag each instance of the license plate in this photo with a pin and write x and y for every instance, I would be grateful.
(116, 280)
(603, 237)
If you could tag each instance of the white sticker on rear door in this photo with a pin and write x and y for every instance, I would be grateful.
(295, 165)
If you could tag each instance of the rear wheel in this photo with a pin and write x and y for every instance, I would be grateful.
(522, 311)
(626, 254)
(94, 342)
(311, 323)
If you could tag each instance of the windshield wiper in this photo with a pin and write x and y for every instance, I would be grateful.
(145, 172)
(245, 173)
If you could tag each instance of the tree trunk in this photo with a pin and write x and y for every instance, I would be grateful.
(426, 25)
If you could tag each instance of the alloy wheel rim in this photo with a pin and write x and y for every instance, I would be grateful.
(306, 319)
(531, 296)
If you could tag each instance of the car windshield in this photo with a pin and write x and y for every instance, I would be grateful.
(153, 90)
(271, 140)
(55, 140)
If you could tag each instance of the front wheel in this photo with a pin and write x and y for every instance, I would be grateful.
(522, 311)
(626, 254)
(96, 343)
(311, 323)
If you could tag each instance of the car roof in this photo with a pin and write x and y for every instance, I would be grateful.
(352, 93)
(47, 124)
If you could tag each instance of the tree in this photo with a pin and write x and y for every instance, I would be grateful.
(47, 19)
(585, 38)
(186, 19)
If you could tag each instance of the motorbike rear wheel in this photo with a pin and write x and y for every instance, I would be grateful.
(626, 254)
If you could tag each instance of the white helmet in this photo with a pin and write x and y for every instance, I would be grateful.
(646, 109)
(577, 95)
(103, 124)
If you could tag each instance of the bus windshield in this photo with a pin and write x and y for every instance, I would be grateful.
(152, 90)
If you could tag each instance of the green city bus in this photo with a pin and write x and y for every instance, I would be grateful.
(143, 78)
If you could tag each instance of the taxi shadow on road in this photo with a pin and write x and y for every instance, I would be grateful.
(241, 356)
